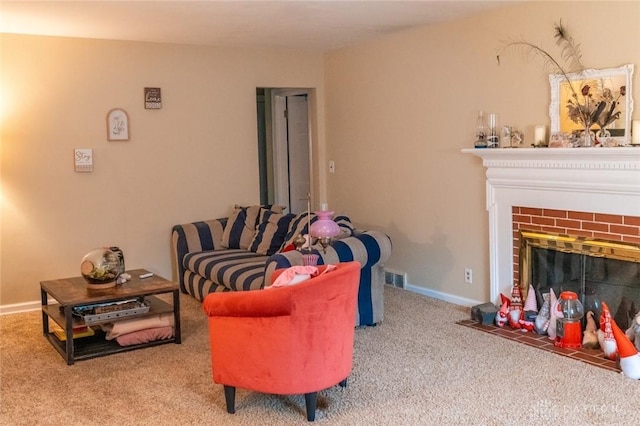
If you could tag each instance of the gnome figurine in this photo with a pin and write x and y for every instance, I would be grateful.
(530, 305)
(633, 332)
(590, 336)
(605, 334)
(541, 322)
(554, 314)
(515, 315)
(503, 312)
(629, 357)
(515, 307)
(516, 297)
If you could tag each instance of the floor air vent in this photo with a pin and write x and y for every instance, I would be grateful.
(395, 278)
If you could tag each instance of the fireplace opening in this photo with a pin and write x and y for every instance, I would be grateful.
(595, 269)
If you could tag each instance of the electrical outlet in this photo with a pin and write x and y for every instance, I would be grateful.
(468, 275)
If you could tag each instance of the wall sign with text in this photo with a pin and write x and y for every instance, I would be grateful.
(83, 159)
(152, 98)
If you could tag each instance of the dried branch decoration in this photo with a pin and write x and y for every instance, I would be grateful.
(569, 52)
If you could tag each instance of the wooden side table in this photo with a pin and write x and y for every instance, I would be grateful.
(70, 293)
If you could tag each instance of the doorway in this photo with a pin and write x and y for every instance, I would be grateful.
(284, 147)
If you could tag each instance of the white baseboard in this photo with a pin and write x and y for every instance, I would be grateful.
(445, 297)
(20, 307)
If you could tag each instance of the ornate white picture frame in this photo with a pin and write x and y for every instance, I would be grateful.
(610, 77)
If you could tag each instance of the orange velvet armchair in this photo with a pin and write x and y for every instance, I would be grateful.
(288, 340)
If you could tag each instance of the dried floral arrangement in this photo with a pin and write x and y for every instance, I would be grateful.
(588, 106)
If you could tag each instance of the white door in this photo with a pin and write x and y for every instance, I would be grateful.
(298, 141)
(292, 173)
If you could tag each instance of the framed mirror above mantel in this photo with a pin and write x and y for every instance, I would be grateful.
(613, 86)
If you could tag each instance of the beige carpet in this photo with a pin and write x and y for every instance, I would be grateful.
(417, 368)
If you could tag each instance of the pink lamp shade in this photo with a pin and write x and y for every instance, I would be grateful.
(324, 226)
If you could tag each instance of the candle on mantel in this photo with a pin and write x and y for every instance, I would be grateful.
(635, 132)
(540, 134)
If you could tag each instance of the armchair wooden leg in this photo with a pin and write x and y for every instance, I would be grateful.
(230, 397)
(343, 384)
(311, 400)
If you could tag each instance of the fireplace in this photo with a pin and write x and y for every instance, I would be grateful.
(597, 270)
(590, 193)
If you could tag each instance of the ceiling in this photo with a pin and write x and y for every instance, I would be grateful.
(322, 25)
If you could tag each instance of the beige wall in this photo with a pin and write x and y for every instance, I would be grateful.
(191, 160)
(400, 110)
(397, 113)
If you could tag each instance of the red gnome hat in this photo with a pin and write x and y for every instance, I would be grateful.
(505, 299)
(605, 334)
(531, 304)
(516, 297)
(629, 357)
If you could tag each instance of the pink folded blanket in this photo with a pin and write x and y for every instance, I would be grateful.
(297, 274)
(129, 326)
(145, 336)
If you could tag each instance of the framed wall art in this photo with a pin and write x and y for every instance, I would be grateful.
(117, 125)
(152, 98)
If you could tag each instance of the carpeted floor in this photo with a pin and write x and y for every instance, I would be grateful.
(417, 367)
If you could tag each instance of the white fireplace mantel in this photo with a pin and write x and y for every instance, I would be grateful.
(601, 180)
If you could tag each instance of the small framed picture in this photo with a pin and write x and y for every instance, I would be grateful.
(117, 125)
(152, 98)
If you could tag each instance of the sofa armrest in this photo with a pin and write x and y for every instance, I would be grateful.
(367, 247)
(192, 237)
(256, 303)
(371, 248)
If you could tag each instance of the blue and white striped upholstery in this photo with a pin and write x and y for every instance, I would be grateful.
(271, 232)
(241, 226)
(371, 248)
(234, 269)
(194, 237)
(298, 226)
(203, 266)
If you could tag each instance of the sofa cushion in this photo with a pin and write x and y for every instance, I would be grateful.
(270, 232)
(297, 226)
(234, 269)
(241, 226)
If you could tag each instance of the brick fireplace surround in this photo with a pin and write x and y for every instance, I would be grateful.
(592, 192)
(612, 227)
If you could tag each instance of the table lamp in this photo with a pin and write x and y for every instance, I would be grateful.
(324, 229)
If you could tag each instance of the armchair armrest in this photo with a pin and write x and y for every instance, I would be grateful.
(194, 236)
(256, 303)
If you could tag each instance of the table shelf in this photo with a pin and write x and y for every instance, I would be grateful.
(97, 345)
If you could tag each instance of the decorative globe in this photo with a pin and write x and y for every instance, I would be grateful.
(100, 268)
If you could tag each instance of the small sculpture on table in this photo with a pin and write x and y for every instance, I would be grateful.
(100, 268)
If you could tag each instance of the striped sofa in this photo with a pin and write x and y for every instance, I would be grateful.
(205, 264)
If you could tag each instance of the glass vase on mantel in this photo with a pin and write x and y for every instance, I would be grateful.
(587, 138)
